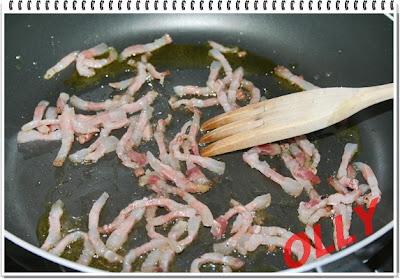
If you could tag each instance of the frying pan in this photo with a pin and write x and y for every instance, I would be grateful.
(329, 50)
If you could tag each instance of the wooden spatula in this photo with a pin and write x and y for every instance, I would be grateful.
(287, 116)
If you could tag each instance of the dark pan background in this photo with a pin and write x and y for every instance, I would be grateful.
(329, 50)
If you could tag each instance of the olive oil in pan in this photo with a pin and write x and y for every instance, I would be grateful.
(262, 260)
(78, 83)
(196, 56)
(42, 229)
(287, 85)
(68, 224)
(74, 250)
(101, 263)
(348, 133)
(172, 56)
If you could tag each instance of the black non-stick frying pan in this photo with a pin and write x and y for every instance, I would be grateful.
(329, 50)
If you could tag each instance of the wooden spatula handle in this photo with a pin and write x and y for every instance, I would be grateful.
(376, 94)
(358, 99)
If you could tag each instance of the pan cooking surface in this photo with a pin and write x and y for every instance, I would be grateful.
(309, 44)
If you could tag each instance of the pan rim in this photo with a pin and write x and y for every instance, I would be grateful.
(78, 267)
